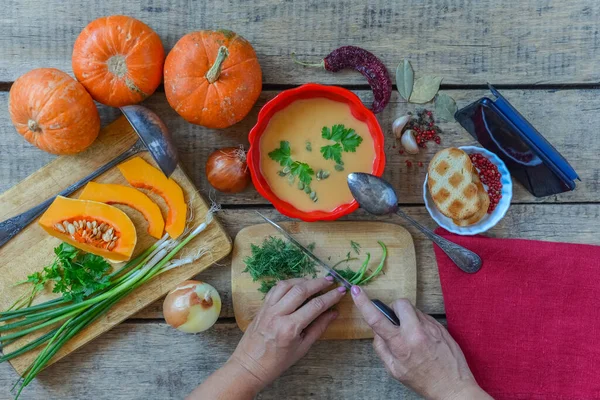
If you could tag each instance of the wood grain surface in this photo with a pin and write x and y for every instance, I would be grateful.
(543, 54)
(332, 244)
(511, 41)
(32, 249)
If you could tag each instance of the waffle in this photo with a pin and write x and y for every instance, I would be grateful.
(483, 208)
(451, 184)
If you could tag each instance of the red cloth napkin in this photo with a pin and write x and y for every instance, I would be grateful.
(529, 320)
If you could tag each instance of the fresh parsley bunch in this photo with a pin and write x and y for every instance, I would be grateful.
(347, 140)
(76, 275)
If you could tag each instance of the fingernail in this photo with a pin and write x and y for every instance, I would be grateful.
(355, 290)
(329, 278)
(342, 289)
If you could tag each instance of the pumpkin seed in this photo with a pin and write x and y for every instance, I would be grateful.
(281, 173)
(307, 189)
(89, 225)
(315, 199)
(291, 179)
(65, 225)
(71, 229)
(308, 146)
(286, 170)
(111, 245)
(322, 174)
(313, 196)
(339, 167)
(301, 185)
(60, 227)
(103, 227)
(110, 231)
(94, 231)
(94, 224)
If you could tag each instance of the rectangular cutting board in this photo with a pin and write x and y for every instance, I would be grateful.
(32, 249)
(332, 239)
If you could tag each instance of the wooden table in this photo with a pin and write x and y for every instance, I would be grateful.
(544, 55)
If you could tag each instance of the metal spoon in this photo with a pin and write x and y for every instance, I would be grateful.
(379, 198)
(153, 136)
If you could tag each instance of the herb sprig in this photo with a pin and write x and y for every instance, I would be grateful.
(76, 275)
(346, 140)
(294, 169)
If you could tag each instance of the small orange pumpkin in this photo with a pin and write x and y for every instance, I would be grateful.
(53, 111)
(212, 78)
(119, 60)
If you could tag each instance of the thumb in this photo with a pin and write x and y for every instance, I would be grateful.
(372, 316)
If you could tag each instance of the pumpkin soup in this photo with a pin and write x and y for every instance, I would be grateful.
(309, 148)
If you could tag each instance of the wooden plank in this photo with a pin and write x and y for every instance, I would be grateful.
(575, 223)
(567, 118)
(332, 239)
(514, 41)
(154, 361)
(32, 249)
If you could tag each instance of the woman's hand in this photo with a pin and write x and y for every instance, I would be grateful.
(285, 328)
(420, 352)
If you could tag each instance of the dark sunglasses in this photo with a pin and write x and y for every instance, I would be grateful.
(531, 159)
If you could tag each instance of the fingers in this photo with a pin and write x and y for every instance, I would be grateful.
(407, 313)
(376, 320)
(317, 306)
(299, 293)
(279, 290)
(316, 329)
(383, 352)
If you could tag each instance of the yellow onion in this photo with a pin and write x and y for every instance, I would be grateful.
(192, 307)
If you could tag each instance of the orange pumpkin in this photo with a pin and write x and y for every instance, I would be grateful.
(53, 111)
(212, 78)
(119, 60)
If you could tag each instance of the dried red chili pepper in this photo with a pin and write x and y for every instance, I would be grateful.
(364, 62)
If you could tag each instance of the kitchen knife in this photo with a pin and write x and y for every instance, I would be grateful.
(381, 306)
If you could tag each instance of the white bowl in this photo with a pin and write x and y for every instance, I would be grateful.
(490, 220)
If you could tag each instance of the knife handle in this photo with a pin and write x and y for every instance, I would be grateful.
(387, 311)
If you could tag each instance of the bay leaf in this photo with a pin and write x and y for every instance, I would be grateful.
(405, 78)
(445, 107)
(425, 88)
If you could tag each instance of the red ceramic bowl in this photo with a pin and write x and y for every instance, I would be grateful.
(282, 100)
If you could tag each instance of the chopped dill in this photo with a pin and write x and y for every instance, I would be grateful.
(276, 259)
(355, 246)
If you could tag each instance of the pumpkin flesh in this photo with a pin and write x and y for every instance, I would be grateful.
(119, 194)
(53, 111)
(119, 60)
(91, 226)
(224, 101)
(142, 175)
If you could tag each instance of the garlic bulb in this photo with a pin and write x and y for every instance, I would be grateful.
(409, 142)
(399, 125)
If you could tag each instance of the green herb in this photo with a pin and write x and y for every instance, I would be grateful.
(355, 246)
(308, 146)
(74, 274)
(445, 107)
(425, 89)
(276, 259)
(347, 140)
(405, 78)
(295, 169)
(67, 318)
(358, 277)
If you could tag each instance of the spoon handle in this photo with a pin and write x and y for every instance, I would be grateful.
(465, 259)
(10, 227)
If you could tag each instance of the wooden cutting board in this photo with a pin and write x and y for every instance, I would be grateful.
(32, 249)
(332, 239)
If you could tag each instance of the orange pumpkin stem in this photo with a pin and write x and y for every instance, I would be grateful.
(33, 126)
(213, 73)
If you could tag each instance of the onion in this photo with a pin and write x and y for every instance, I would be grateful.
(192, 307)
(227, 171)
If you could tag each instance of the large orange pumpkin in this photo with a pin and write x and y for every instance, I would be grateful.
(53, 111)
(212, 78)
(119, 60)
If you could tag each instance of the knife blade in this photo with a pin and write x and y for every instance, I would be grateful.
(381, 306)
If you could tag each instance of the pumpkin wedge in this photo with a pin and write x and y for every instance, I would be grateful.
(91, 226)
(118, 194)
(142, 175)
